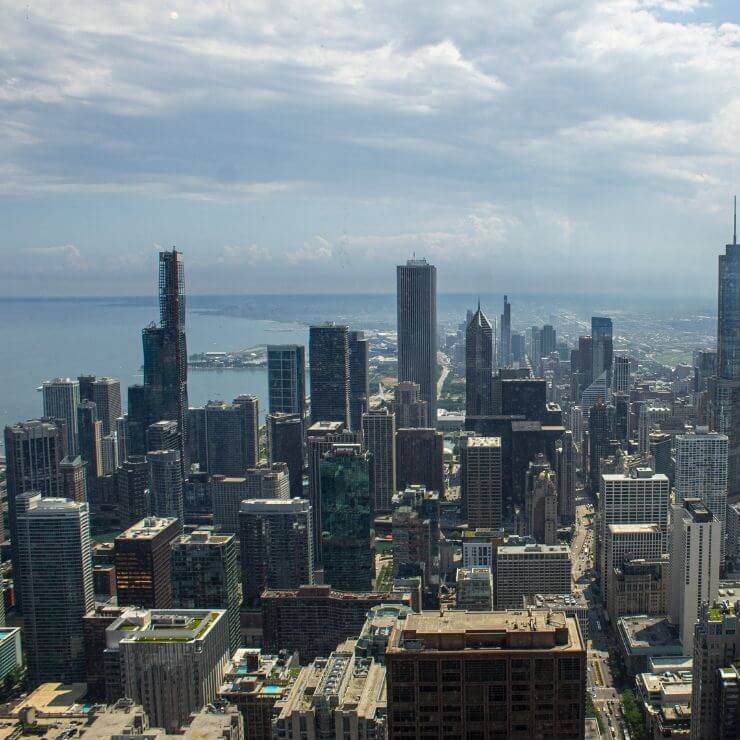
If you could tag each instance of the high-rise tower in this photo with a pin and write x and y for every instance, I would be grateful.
(602, 347)
(504, 359)
(416, 285)
(359, 389)
(61, 397)
(328, 351)
(727, 404)
(478, 365)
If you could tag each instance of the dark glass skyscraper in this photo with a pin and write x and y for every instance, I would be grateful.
(601, 348)
(347, 518)
(286, 378)
(165, 350)
(416, 284)
(359, 389)
(478, 365)
(505, 338)
(329, 357)
(727, 403)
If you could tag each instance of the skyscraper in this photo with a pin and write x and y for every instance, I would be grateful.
(34, 450)
(90, 439)
(621, 380)
(132, 480)
(566, 471)
(347, 518)
(55, 572)
(478, 365)
(548, 339)
(410, 410)
(695, 563)
(505, 340)
(602, 348)
(727, 403)
(165, 350)
(166, 484)
(106, 394)
(72, 471)
(276, 540)
(285, 444)
(541, 501)
(328, 351)
(205, 575)
(379, 434)
(359, 389)
(598, 437)
(420, 459)
(474, 674)
(61, 398)
(480, 488)
(416, 285)
(701, 471)
(286, 378)
(143, 563)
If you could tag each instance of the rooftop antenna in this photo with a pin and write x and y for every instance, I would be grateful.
(734, 223)
(479, 303)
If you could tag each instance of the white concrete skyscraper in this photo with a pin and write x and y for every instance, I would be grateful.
(379, 434)
(416, 283)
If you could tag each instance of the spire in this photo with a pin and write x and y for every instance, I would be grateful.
(734, 222)
(478, 304)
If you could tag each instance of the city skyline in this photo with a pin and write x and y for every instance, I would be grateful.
(513, 144)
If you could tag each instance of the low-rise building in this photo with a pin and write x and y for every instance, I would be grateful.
(11, 655)
(474, 589)
(342, 696)
(642, 637)
(572, 605)
(376, 631)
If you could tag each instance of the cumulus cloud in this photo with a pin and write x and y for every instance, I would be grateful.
(335, 134)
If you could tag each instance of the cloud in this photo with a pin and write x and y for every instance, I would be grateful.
(249, 254)
(67, 251)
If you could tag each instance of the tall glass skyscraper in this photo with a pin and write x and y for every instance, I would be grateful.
(328, 350)
(478, 365)
(727, 405)
(602, 346)
(504, 359)
(416, 284)
(286, 378)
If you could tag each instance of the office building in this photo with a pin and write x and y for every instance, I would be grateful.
(165, 484)
(621, 377)
(480, 481)
(479, 545)
(347, 518)
(172, 661)
(474, 589)
(478, 365)
(412, 534)
(328, 351)
(227, 436)
(226, 494)
(94, 626)
(716, 647)
(695, 564)
(11, 654)
(344, 692)
(518, 351)
(599, 434)
(505, 348)
(637, 497)
(416, 293)
(33, 451)
(727, 396)
(732, 545)
(702, 471)
(320, 438)
(105, 393)
(411, 412)
(132, 481)
(73, 479)
(205, 575)
(638, 586)
(313, 620)
(286, 379)
(109, 450)
(90, 441)
(541, 502)
(285, 445)
(276, 540)
(486, 674)
(165, 391)
(525, 570)
(566, 467)
(144, 564)
(54, 569)
(379, 436)
(622, 417)
(61, 398)
(602, 348)
(359, 389)
(420, 458)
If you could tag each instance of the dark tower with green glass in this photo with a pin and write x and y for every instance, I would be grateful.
(347, 518)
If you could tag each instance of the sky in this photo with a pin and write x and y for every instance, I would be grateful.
(557, 146)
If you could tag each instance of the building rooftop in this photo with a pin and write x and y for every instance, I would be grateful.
(634, 528)
(526, 629)
(205, 537)
(533, 549)
(162, 625)
(648, 632)
(147, 529)
(483, 441)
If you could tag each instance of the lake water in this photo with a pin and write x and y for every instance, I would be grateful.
(40, 340)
